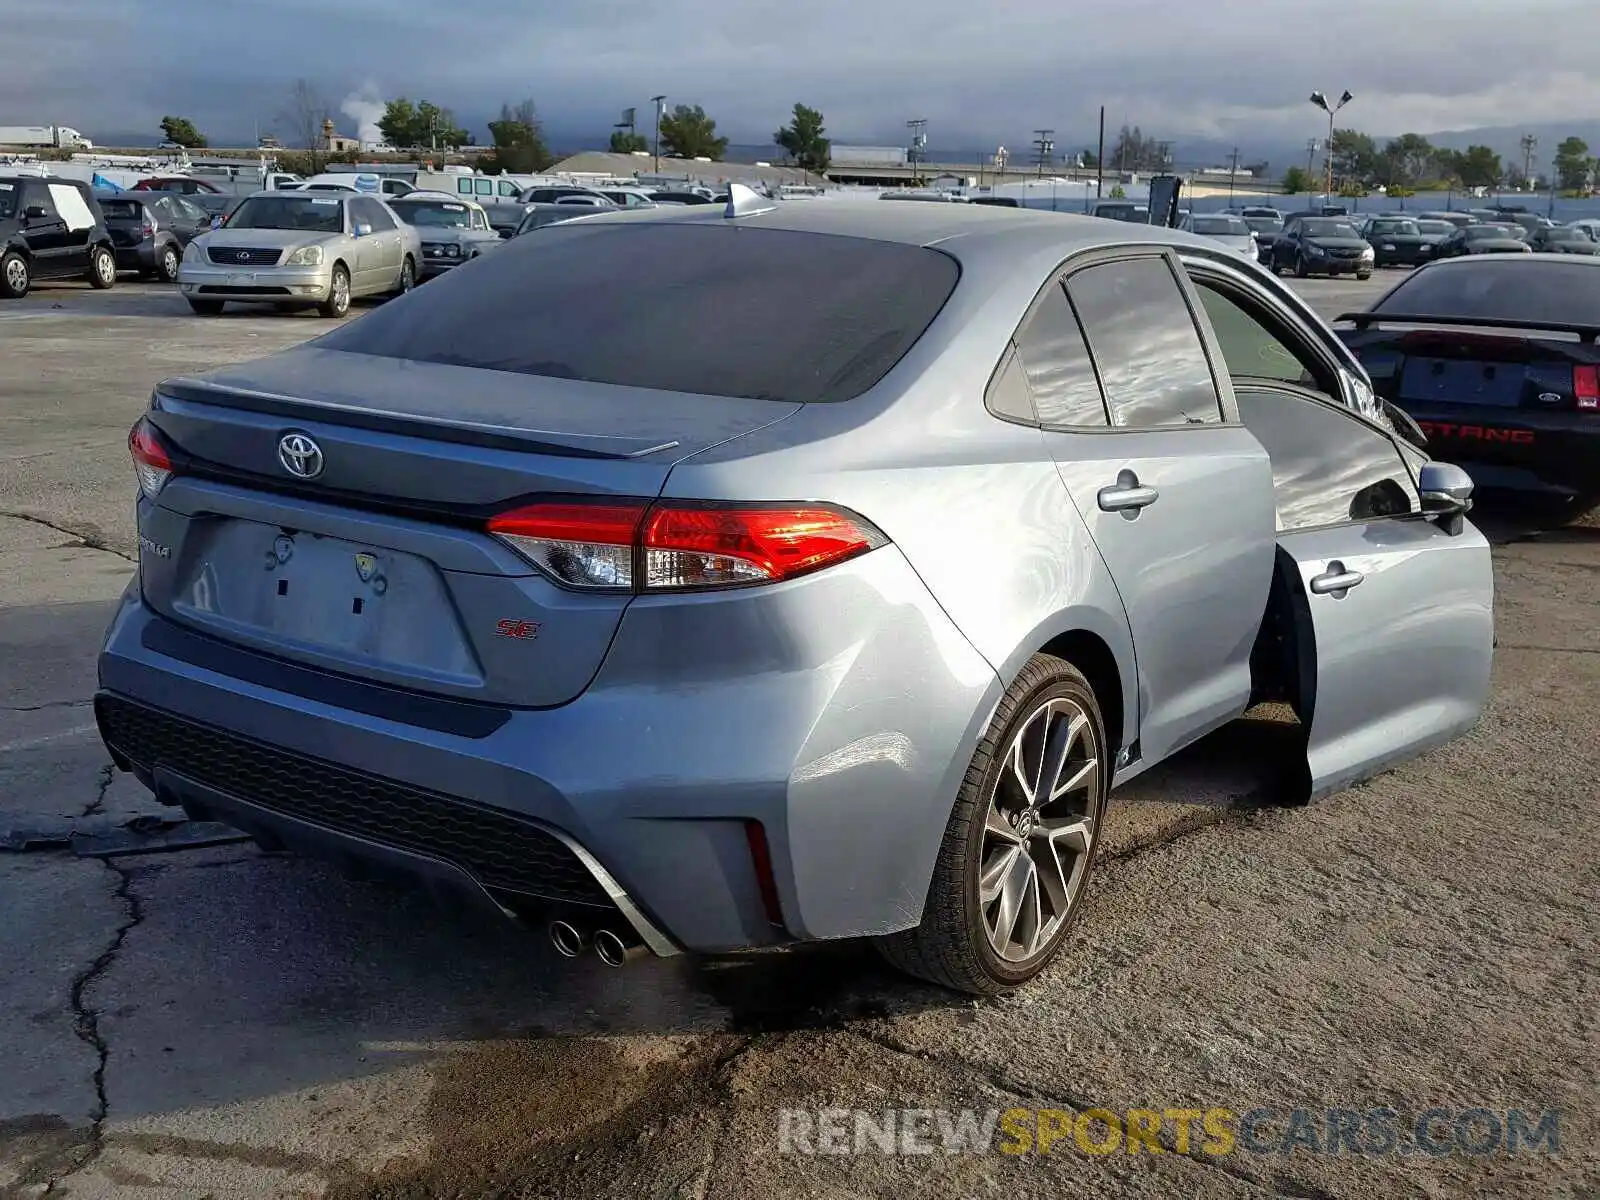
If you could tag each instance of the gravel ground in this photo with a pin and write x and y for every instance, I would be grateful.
(221, 1022)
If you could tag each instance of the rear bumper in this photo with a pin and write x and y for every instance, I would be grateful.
(647, 781)
(136, 258)
(1516, 449)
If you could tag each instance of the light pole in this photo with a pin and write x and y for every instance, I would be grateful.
(1321, 102)
(660, 102)
(1044, 149)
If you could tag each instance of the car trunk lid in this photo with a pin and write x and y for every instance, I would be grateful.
(378, 565)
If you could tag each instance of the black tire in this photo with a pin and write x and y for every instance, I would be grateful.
(167, 260)
(102, 268)
(205, 308)
(1363, 275)
(16, 275)
(408, 276)
(1301, 271)
(951, 946)
(338, 302)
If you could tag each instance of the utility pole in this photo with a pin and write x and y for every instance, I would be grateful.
(919, 139)
(1311, 156)
(660, 102)
(1043, 150)
(1233, 173)
(1100, 158)
(1555, 179)
(1529, 144)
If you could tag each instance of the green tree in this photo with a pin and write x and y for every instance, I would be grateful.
(519, 145)
(1355, 156)
(422, 124)
(1478, 166)
(627, 141)
(1296, 181)
(182, 131)
(802, 139)
(687, 132)
(1573, 164)
(1405, 161)
(1091, 160)
(1118, 193)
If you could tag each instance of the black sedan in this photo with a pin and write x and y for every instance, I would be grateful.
(1480, 352)
(537, 216)
(1321, 246)
(149, 230)
(1563, 239)
(1398, 242)
(1483, 239)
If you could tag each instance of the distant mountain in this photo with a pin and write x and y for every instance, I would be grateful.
(1506, 140)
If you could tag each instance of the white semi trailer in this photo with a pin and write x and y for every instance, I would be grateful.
(36, 137)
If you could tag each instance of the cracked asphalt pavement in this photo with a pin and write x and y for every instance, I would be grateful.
(182, 1015)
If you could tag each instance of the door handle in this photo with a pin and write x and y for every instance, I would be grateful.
(1127, 495)
(1335, 579)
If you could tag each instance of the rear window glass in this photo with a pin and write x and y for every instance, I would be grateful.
(720, 310)
(122, 210)
(1537, 289)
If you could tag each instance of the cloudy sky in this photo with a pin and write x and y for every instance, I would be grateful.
(978, 70)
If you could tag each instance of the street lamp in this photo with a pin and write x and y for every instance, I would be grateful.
(660, 102)
(1321, 102)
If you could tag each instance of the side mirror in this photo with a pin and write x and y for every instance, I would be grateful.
(35, 212)
(1446, 492)
(363, 228)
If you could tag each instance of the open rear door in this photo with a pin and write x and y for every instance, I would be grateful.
(1399, 614)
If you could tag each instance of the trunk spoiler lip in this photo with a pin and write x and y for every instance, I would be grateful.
(501, 437)
(1365, 320)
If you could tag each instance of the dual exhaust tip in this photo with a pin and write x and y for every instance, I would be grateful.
(612, 948)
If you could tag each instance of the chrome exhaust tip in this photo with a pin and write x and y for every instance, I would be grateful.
(566, 939)
(615, 952)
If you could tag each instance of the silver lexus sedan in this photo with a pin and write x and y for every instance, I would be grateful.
(301, 249)
(709, 578)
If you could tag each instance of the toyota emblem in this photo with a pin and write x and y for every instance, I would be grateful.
(300, 456)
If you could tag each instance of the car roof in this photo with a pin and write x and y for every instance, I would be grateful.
(301, 194)
(969, 232)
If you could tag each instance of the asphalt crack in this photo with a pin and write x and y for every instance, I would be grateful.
(89, 537)
(86, 1020)
(102, 785)
(49, 704)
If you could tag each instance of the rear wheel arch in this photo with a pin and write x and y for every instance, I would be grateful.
(1094, 658)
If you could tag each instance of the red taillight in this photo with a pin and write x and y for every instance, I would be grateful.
(580, 545)
(147, 228)
(151, 463)
(1586, 387)
(705, 546)
(677, 546)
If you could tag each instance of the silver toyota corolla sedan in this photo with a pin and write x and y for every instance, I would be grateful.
(301, 249)
(706, 579)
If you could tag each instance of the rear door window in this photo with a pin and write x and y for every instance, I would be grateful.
(715, 309)
(1145, 342)
(1055, 359)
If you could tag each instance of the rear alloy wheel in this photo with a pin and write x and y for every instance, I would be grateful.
(102, 268)
(167, 264)
(15, 277)
(1009, 880)
(338, 302)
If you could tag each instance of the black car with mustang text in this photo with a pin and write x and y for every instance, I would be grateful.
(1494, 356)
